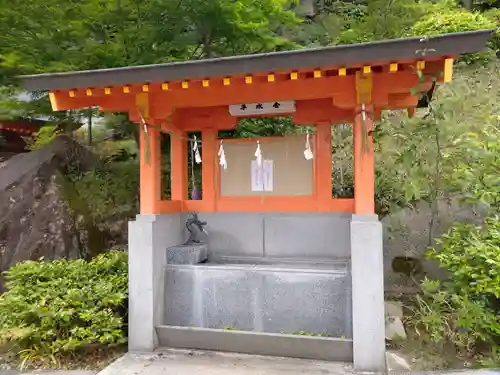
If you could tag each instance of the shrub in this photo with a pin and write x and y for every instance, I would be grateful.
(43, 137)
(52, 308)
(454, 21)
(494, 15)
(471, 254)
(447, 317)
(464, 310)
(451, 21)
(109, 192)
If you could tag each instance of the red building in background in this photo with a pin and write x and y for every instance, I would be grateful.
(13, 132)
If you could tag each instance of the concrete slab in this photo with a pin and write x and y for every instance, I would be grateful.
(46, 372)
(187, 362)
(457, 372)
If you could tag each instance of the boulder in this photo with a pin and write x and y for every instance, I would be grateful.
(35, 218)
(394, 329)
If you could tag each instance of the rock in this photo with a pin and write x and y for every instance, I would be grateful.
(394, 308)
(35, 218)
(394, 329)
(396, 362)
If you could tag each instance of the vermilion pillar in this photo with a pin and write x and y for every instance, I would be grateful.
(179, 165)
(209, 150)
(324, 167)
(150, 170)
(364, 165)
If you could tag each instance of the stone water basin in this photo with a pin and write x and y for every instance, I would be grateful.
(262, 295)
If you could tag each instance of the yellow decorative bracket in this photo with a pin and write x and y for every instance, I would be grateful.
(448, 70)
(53, 101)
(364, 86)
(142, 103)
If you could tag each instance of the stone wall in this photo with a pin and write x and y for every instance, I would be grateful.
(407, 233)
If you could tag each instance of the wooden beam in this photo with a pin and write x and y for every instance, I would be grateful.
(224, 92)
(311, 112)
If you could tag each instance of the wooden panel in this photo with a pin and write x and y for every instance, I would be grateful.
(293, 174)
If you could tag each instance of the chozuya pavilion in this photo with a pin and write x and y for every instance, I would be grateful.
(284, 255)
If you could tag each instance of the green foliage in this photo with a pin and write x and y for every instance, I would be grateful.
(443, 317)
(43, 137)
(385, 19)
(493, 15)
(471, 254)
(476, 169)
(110, 191)
(313, 334)
(230, 328)
(57, 36)
(464, 310)
(54, 35)
(263, 127)
(450, 22)
(58, 307)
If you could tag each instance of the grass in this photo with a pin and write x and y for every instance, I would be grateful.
(92, 359)
(424, 356)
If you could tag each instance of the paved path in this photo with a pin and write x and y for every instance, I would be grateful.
(191, 362)
(12, 372)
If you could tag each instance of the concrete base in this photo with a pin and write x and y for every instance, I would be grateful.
(308, 347)
(368, 294)
(149, 236)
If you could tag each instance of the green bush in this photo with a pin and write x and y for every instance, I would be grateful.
(471, 254)
(110, 191)
(455, 21)
(464, 310)
(494, 16)
(43, 137)
(57, 307)
(450, 22)
(450, 318)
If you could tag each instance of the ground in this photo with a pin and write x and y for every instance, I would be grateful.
(188, 362)
(184, 362)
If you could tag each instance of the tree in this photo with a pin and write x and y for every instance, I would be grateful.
(56, 35)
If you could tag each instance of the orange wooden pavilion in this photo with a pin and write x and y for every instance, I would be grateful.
(327, 86)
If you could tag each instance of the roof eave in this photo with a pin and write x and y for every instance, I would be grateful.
(448, 45)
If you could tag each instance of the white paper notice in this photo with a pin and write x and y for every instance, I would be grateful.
(262, 176)
(268, 175)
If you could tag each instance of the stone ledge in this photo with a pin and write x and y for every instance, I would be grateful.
(308, 347)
